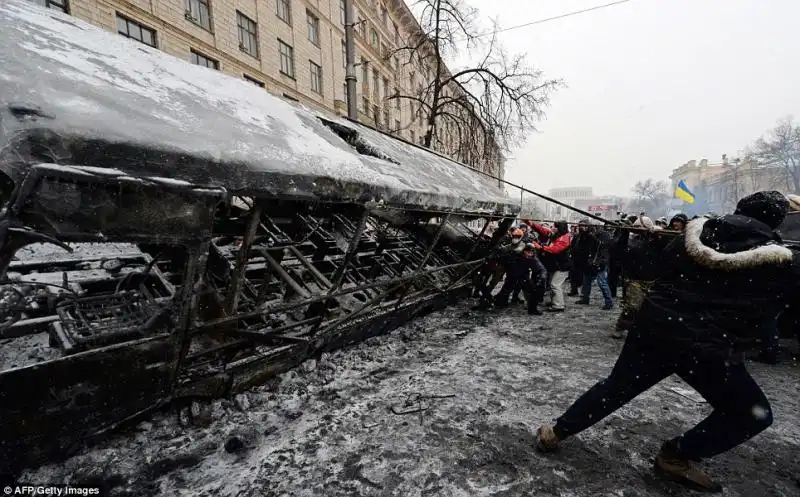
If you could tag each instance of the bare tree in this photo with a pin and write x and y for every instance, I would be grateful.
(780, 148)
(489, 105)
(650, 197)
(732, 182)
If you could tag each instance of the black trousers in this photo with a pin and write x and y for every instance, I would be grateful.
(575, 279)
(533, 294)
(510, 286)
(740, 409)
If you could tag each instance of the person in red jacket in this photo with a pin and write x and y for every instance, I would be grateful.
(556, 259)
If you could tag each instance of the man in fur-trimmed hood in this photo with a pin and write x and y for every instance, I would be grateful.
(717, 283)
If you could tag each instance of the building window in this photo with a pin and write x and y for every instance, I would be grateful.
(286, 53)
(376, 85)
(135, 31)
(253, 80)
(386, 118)
(198, 12)
(365, 104)
(248, 34)
(397, 125)
(397, 100)
(341, 12)
(62, 5)
(313, 28)
(413, 136)
(344, 54)
(285, 11)
(385, 88)
(364, 73)
(374, 38)
(199, 59)
(376, 117)
(316, 77)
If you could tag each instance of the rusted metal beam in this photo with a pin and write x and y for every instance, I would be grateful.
(338, 277)
(427, 256)
(235, 286)
(467, 257)
(270, 335)
(187, 303)
(286, 277)
(382, 296)
(352, 250)
(218, 323)
(311, 268)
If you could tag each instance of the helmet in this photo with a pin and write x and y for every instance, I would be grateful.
(517, 233)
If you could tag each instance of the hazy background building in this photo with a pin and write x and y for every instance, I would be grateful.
(718, 186)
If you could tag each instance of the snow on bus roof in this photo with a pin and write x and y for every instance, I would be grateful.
(101, 88)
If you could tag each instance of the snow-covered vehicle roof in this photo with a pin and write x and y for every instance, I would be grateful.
(72, 93)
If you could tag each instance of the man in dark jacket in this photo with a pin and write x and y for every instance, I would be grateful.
(576, 271)
(719, 281)
(598, 244)
(678, 222)
(519, 266)
(641, 252)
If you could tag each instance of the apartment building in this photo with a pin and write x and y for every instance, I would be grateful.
(296, 48)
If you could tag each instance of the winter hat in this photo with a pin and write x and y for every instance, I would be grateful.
(794, 202)
(644, 222)
(679, 217)
(769, 207)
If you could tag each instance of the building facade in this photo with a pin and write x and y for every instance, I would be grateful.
(718, 186)
(296, 49)
(568, 195)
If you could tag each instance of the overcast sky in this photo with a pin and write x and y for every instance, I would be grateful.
(651, 84)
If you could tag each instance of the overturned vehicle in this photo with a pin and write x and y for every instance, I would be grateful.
(169, 232)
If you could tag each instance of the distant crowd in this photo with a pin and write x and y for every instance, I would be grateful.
(541, 264)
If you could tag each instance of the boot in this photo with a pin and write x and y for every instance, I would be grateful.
(533, 310)
(675, 468)
(546, 439)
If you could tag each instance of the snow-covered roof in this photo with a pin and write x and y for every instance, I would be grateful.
(107, 101)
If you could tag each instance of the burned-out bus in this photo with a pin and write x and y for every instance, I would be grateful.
(169, 232)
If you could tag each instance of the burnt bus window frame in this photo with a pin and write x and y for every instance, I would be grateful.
(29, 194)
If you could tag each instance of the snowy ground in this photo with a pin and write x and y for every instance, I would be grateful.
(328, 429)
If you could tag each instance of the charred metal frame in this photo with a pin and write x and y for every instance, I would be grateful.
(289, 290)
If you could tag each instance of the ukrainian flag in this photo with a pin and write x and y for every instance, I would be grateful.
(682, 192)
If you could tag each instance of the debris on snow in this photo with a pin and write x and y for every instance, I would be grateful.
(302, 436)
